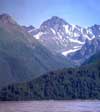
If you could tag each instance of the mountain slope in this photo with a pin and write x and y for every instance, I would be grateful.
(87, 50)
(93, 59)
(22, 57)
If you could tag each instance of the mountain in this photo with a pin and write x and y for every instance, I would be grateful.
(61, 37)
(87, 50)
(65, 84)
(76, 43)
(22, 57)
(32, 70)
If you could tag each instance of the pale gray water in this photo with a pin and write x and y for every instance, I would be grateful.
(50, 106)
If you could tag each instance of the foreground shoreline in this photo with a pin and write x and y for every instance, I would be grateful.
(51, 106)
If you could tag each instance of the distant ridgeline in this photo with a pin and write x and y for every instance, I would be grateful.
(72, 83)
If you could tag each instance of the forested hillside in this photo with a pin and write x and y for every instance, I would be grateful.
(93, 59)
(78, 83)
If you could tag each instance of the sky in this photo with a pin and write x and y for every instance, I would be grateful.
(33, 12)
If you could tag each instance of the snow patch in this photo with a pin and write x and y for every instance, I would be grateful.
(37, 36)
(76, 41)
(75, 47)
(53, 31)
(87, 37)
(73, 27)
(65, 53)
(59, 35)
(89, 31)
(31, 30)
(76, 34)
(66, 29)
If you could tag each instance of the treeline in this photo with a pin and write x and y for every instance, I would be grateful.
(66, 84)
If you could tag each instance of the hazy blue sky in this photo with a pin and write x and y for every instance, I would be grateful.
(81, 12)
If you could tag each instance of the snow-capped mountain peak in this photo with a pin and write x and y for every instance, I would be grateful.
(59, 36)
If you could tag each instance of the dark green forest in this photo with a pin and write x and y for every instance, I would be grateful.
(66, 84)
